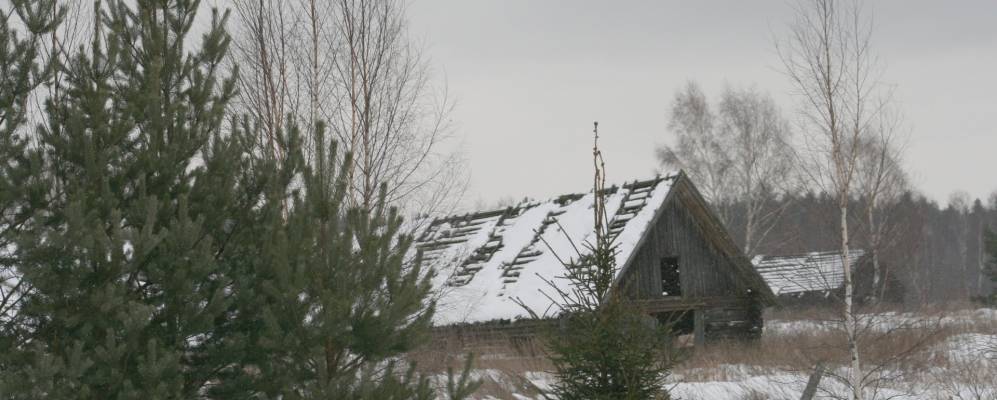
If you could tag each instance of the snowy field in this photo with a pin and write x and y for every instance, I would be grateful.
(954, 356)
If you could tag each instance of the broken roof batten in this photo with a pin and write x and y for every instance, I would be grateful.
(808, 272)
(487, 262)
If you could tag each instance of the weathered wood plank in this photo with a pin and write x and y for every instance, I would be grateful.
(811, 390)
(699, 329)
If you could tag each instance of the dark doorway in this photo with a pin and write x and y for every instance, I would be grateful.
(671, 284)
(677, 322)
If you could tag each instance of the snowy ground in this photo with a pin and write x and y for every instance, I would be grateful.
(883, 322)
(960, 364)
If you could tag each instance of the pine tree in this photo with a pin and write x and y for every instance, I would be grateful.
(123, 259)
(604, 346)
(169, 257)
(332, 300)
(21, 29)
(991, 250)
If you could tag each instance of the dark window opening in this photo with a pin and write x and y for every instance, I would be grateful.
(678, 322)
(671, 285)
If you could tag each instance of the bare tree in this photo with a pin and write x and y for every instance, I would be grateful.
(262, 51)
(72, 35)
(966, 380)
(740, 154)
(959, 204)
(828, 58)
(880, 182)
(758, 138)
(353, 64)
(697, 148)
(960, 201)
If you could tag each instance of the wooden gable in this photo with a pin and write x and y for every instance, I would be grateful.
(710, 264)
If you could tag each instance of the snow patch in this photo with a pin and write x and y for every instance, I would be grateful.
(811, 272)
(487, 263)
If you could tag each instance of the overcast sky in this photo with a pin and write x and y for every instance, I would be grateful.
(529, 78)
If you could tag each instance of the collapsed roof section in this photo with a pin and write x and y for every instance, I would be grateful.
(488, 262)
(803, 273)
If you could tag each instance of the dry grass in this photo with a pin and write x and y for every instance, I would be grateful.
(912, 350)
(515, 355)
(502, 363)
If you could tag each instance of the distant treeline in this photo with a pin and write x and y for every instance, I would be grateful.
(937, 252)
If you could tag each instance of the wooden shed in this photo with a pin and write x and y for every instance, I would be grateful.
(816, 279)
(673, 255)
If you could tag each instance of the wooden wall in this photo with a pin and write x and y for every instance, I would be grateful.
(704, 270)
(715, 293)
(711, 283)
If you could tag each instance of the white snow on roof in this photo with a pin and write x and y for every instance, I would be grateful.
(811, 272)
(488, 261)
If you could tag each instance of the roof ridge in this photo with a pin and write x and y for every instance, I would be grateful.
(560, 199)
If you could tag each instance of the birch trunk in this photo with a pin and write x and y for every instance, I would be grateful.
(851, 321)
(874, 250)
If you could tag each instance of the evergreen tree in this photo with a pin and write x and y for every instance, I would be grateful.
(612, 353)
(991, 249)
(169, 257)
(21, 29)
(604, 346)
(122, 261)
(332, 300)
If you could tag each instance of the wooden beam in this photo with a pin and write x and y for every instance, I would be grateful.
(686, 304)
(666, 304)
(699, 329)
(811, 389)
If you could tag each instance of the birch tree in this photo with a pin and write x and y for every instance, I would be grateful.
(740, 154)
(262, 50)
(881, 181)
(828, 58)
(697, 149)
(757, 137)
(354, 64)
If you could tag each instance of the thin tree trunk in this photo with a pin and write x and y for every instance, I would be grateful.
(874, 250)
(748, 235)
(964, 260)
(981, 255)
(851, 321)
(313, 110)
(749, 223)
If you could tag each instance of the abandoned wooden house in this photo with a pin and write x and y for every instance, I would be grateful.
(673, 256)
(817, 278)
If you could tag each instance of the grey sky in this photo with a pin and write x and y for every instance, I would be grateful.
(531, 76)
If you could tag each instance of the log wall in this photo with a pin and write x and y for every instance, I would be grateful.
(710, 280)
(716, 300)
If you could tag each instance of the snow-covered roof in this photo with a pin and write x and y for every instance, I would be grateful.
(810, 272)
(487, 262)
